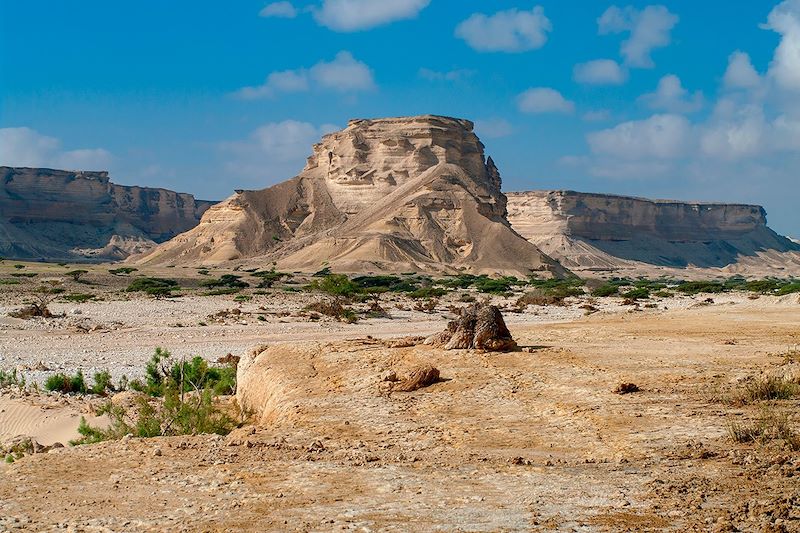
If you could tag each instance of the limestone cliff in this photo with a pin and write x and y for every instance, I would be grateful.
(65, 215)
(396, 194)
(605, 232)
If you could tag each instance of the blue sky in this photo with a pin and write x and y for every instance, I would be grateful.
(683, 99)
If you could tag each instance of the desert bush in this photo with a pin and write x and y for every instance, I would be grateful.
(76, 274)
(698, 287)
(496, 286)
(427, 292)
(269, 277)
(9, 282)
(10, 379)
(229, 281)
(335, 285)
(102, 383)
(78, 297)
(537, 297)
(770, 425)
(608, 289)
(175, 414)
(335, 309)
(636, 294)
(378, 284)
(769, 388)
(24, 274)
(38, 304)
(157, 287)
(61, 382)
(122, 271)
(196, 374)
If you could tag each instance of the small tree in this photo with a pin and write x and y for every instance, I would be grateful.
(76, 274)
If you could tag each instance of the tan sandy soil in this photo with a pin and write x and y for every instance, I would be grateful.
(529, 440)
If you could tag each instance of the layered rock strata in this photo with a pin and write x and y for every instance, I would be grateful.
(395, 194)
(587, 231)
(73, 215)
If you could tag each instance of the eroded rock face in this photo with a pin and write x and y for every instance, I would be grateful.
(396, 194)
(599, 231)
(478, 327)
(66, 215)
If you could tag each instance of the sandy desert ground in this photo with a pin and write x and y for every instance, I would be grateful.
(534, 439)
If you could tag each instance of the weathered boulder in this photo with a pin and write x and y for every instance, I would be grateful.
(479, 327)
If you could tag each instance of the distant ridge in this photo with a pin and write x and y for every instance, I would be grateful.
(61, 215)
(638, 236)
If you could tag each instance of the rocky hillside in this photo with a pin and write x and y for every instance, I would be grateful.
(395, 194)
(638, 236)
(73, 216)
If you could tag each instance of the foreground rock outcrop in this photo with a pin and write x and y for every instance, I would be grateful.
(72, 216)
(603, 232)
(395, 194)
(480, 327)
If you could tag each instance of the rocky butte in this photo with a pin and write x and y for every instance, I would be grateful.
(391, 194)
(638, 236)
(78, 216)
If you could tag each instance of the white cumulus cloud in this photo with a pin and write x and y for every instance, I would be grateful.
(785, 67)
(740, 73)
(274, 151)
(344, 74)
(671, 96)
(506, 31)
(493, 128)
(279, 10)
(599, 72)
(25, 147)
(544, 100)
(664, 136)
(355, 15)
(649, 28)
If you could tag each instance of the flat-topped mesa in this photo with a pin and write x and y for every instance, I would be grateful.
(372, 157)
(613, 217)
(75, 215)
(602, 231)
(396, 194)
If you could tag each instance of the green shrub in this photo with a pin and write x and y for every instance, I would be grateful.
(229, 281)
(176, 414)
(608, 289)
(76, 274)
(636, 294)
(24, 274)
(769, 425)
(61, 382)
(78, 297)
(269, 278)
(335, 285)
(122, 271)
(335, 309)
(698, 287)
(189, 376)
(157, 287)
(427, 292)
(789, 288)
(102, 383)
(221, 291)
(9, 379)
(496, 286)
(9, 282)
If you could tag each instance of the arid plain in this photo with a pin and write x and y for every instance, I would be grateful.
(538, 438)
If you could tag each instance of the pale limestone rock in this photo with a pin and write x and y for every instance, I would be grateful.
(394, 194)
(586, 231)
(69, 215)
